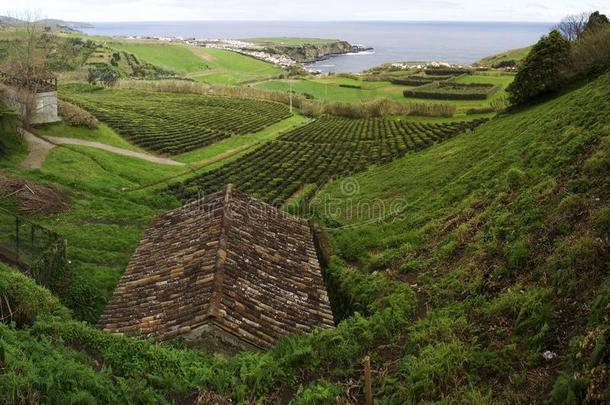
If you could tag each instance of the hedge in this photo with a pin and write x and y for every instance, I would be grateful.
(454, 91)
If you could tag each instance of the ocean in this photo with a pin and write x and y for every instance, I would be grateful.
(453, 42)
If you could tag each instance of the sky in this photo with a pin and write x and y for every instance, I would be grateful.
(309, 10)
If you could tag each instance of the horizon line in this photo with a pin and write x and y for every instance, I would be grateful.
(315, 21)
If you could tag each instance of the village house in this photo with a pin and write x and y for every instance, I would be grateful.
(225, 273)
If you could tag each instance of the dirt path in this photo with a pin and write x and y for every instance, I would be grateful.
(39, 148)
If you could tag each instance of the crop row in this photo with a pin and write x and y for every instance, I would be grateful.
(315, 153)
(454, 91)
(173, 123)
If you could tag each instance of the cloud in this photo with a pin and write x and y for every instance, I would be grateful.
(312, 10)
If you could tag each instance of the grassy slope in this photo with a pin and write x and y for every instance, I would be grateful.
(230, 68)
(105, 223)
(215, 66)
(174, 57)
(513, 54)
(103, 134)
(506, 233)
(329, 89)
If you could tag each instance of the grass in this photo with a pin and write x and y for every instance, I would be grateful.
(497, 230)
(330, 89)
(226, 67)
(501, 234)
(175, 123)
(103, 134)
(214, 66)
(173, 57)
(240, 143)
(513, 54)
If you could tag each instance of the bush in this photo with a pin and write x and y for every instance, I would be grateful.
(22, 300)
(542, 70)
(453, 91)
(76, 116)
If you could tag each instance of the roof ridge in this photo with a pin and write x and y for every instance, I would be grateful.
(221, 256)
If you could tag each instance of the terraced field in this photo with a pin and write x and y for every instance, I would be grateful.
(315, 153)
(172, 123)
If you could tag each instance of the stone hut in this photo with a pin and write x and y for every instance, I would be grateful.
(227, 272)
(43, 88)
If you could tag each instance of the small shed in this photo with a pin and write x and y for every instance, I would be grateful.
(227, 272)
(43, 89)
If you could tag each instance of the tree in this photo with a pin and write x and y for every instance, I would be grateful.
(26, 62)
(542, 70)
(103, 74)
(572, 26)
(595, 22)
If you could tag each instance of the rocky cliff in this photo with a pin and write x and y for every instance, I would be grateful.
(312, 52)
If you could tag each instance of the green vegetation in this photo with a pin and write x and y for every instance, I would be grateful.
(353, 90)
(102, 134)
(508, 58)
(174, 123)
(214, 66)
(317, 152)
(229, 68)
(454, 91)
(556, 63)
(172, 57)
(333, 89)
(495, 298)
(541, 71)
(477, 209)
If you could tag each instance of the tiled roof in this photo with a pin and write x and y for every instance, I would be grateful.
(227, 261)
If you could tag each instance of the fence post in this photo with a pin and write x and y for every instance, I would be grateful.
(368, 389)
(17, 238)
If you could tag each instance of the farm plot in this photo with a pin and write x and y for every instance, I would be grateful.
(313, 154)
(171, 123)
(454, 91)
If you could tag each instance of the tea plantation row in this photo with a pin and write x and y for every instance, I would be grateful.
(172, 123)
(313, 154)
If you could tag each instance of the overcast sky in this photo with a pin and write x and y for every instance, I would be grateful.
(308, 10)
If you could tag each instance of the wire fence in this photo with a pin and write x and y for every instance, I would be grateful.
(35, 250)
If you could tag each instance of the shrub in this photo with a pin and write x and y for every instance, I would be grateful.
(453, 91)
(351, 86)
(542, 70)
(480, 110)
(22, 300)
(76, 116)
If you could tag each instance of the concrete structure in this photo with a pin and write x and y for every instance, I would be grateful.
(226, 273)
(44, 94)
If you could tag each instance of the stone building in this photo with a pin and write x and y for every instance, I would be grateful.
(225, 273)
(43, 93)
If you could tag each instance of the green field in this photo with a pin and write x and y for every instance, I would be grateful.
(314, 153)
(178, 58)
(229, 68)
(513, 54)
(456, 297)
(214, 66)
(330, 89)
(174, 123)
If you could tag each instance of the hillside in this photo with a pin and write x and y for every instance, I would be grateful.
(512, 55)
(477, 281)
(214, 66)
